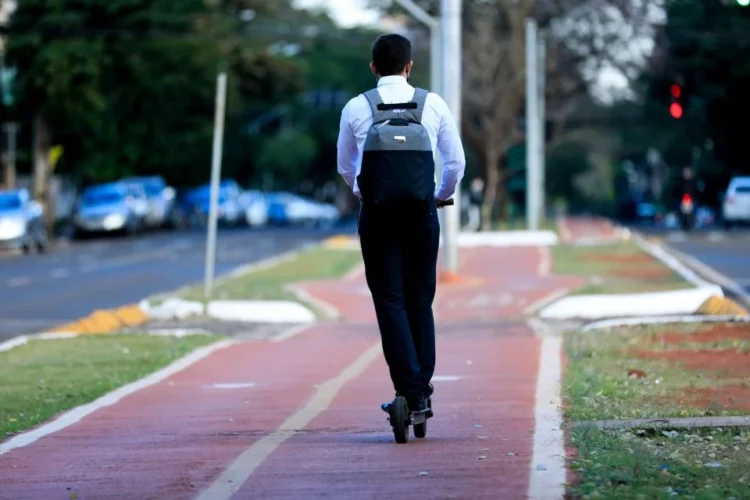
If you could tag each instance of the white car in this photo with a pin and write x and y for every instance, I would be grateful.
(736, 206)
(256, 208)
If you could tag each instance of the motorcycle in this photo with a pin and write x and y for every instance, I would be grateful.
(687, 212)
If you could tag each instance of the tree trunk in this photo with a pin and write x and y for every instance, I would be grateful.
(42, 188)
(490, 194)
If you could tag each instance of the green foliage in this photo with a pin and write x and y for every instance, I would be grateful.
(127, 86)
(286, 154)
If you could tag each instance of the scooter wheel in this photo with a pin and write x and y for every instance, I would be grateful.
(400, 420)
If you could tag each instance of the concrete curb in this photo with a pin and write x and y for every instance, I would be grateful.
(25, 339)
(469, 240)
(594, 307)
(662, 320)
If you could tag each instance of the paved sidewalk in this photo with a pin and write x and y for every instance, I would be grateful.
(304, 421)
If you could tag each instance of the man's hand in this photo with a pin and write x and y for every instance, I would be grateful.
(443, 203)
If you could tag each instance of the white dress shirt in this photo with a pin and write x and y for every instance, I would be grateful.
(356, 120)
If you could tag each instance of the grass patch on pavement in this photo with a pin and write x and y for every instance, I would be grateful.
(45, 377)
(316, 263)
(710, 464)
(659, 371)
(614, 268)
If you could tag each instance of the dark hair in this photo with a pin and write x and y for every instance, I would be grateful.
(391, 54)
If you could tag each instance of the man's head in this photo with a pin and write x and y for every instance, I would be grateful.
(391, 55)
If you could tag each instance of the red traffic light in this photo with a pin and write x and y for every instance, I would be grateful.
(675, 110)
(676, 91)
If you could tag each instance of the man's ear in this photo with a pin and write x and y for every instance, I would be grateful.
(409, 67)
(374, 69)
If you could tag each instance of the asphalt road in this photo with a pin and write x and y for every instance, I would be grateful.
(39, 292)
(727, 252)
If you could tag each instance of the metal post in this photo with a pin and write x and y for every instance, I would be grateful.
(221, 92)
(9, 179)
(541, 214)
(532, 127)
(450, 12)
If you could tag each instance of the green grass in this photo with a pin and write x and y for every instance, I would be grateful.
(597, 385)
(46, 377)
(651, 463)
(713, 464)
(611, 275)
(316, 263)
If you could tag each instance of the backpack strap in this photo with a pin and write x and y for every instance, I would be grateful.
(420, 97)
(378, 116)
(412, 113)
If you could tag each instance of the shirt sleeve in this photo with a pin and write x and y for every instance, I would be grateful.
(451, 151)
(347, 152)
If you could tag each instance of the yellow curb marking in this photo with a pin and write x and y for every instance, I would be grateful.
(106, 320)
(722, 306)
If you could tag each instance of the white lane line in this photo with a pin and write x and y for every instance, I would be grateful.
(545, 262)
(235, 385)
(289, 333)
(60, 273)
(547, 475)
(77, 414)
(18, 282)
(445, 378)
(232, 479)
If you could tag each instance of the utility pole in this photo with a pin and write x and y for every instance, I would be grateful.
(450, 14)
(533, 164)
(445, 80)
(9, 177)
(542, 75)
(221, 94)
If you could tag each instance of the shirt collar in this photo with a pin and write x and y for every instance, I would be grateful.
(392, 80)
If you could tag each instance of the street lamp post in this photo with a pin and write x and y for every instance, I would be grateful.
(445, 80)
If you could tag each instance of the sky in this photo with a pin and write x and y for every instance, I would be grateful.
(346, 13)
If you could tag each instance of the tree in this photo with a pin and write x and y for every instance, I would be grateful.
(582, 38)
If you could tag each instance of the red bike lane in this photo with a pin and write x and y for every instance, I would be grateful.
(309, 425)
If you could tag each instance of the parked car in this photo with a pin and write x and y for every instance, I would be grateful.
(292, 209)
(736, 205)
(161, 201)
(197, 203)
(21, 222)
(110, 207)
(256, 208)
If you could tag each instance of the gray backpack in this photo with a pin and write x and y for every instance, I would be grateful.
(397, 162)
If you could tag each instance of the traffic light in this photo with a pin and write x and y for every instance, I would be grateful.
(675, 109)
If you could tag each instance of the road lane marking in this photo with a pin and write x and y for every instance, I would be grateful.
(545, 262)
(445, 378)
(18, 282)
(232, 479)
(236, 385)
(77, 414)
(547, 475)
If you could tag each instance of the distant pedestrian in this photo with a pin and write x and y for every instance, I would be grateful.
(476, 197)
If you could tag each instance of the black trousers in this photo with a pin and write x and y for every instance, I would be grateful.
(400, 249)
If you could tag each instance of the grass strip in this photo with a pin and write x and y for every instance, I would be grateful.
(615, 268)
(43, 378)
